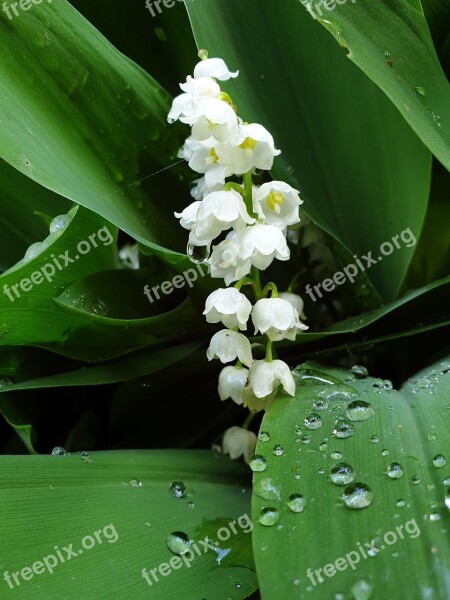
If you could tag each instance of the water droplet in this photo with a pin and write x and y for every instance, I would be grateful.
(238, 585)
(278, 450)
(269, 516)
(343, 429)
(358, 495)
(435, 517)
(203, 54)
(415, 480)
(177, 489)
(60, 222)
(320, 405)
(305, 439)
(359, 410)
(98, 307)
(375, 439)
(191, 505)
(342, 474)
(400, 503)
(323, 446)
(385, 452)
(313, 421)
(258, 463)
(6, 382)
(85, 457)
(264, 436)
(296, 503)
(447, 498)
(388, 385)
(359, 372)
(336, 455)
(59, 451)
(265, 488)
(197, 254)
(178, 542)
(446, 481)
(33, 251)
(394, 471)
(362, 590)
(321, 471)
(135, 483)
(337, 392)
(439, 461)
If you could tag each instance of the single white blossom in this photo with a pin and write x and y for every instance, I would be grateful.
(238, 441)
(202, 158)
(276, 203)
(218, 211)
(200, 189)
(277, 318)
(227, 346)
(229, 306)
(254, 148)
(295, 300)
(189, 215)
(213, 121)
(261, 244)
(214, 67)
(225, 261)
(196, 90)
(232, 382)
(265, 377)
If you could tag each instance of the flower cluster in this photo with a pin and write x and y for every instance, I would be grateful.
(240, 229)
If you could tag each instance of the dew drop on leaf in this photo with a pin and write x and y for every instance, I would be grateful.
(296, 503)
(359, 410)
(343, 429)
(313, 421)
(439, 461)
(358, 495)
(269, 516)
(264, 436)
(258, 463)
(394, 471)
(178, 542)
(177, 489)
(359, 371)
(342, 474)
(59, 451)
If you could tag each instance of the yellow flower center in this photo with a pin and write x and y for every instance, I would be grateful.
(227, 98)
(212, 157)
(248, 144)
(274, 201)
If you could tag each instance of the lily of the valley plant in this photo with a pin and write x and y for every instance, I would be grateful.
(238, 229)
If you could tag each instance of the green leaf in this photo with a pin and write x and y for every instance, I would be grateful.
(322, 111)
(391, 43)
(125, 497)
(86, 122)
(406, 516)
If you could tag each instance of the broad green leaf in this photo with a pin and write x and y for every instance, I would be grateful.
(125, 496)
(399, 446)
(86, 122)
(363, 173)
(391, 43)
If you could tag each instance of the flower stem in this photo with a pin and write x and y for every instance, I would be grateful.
(244, 281)
(269, 351)
(231, 185)
(248, 420)
(248, 195)
(272, 287)
(257, 279)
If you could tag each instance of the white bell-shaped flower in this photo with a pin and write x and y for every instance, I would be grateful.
(189, 215)
(295, 300)
(200, 189)
(196, 90)
(228, 346)
(265, 377)
(225, 261)
(261, 244)
(214, 67)
(202, 158)
(254, 148)
(277, 318)
(229, 306)
(276, 203)
(219, 211)
(238, 441)
(232, 381)
(213, 119)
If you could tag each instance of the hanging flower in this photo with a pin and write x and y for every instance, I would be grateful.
(228, 306)
(228, 346)
(254, 148)
(276, 203)
(295, 300)
(265, 377)
(214, 67)
(232, 381)
(225, 261)
(213, 121)
(239, 442)
(196, 90)
(277, 318)
(261, 244)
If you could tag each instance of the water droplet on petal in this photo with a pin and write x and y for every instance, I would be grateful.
(258, 463)
(394, 471)
(296, 503)
(358, 495)
(342, 474)
(359, 410)
(178, 542)
(177, 489)
(269, 516)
